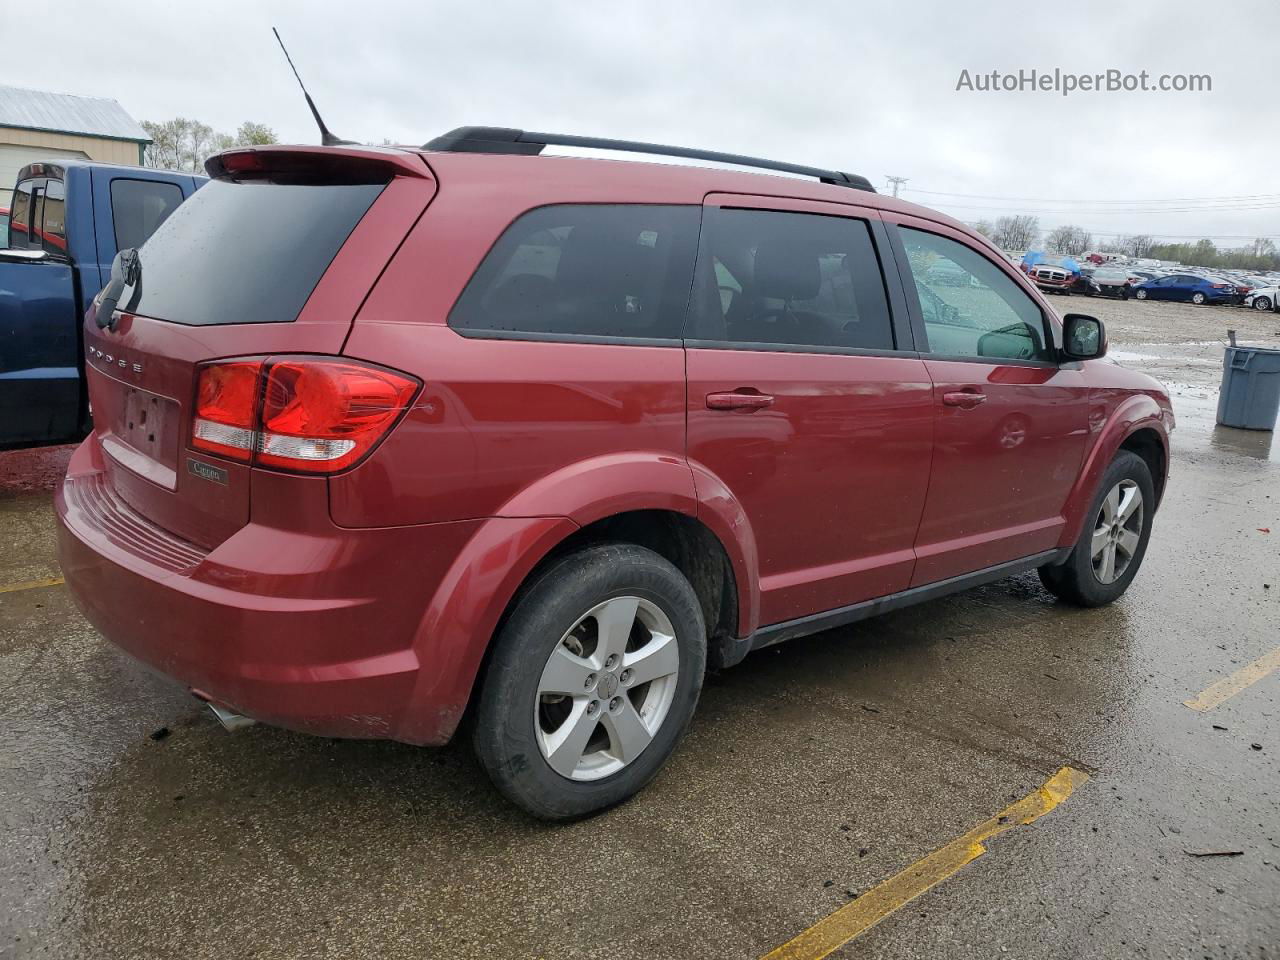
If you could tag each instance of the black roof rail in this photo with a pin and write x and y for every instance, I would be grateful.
(510, 140)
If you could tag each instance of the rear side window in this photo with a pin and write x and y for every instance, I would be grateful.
(54, 236)
(20, 215)
(247, 252)
(770, 278)
(138, 207)
(574, 271)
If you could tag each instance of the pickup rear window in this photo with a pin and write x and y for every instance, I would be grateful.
(248, 252)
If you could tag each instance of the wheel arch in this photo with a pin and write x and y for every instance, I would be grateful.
(648, 499)
(1137, 424)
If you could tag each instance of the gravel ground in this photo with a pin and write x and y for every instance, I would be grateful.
(1134, 321)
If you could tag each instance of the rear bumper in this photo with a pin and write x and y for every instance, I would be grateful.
(312, 629)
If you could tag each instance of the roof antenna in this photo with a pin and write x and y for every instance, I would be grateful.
(326, 138)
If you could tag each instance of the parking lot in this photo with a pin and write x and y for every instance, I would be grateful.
(133, 826)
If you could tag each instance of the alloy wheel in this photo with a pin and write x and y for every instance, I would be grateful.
(1262, 303)
(1117, 531)
(607, 688)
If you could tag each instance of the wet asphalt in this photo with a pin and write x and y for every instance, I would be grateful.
(813, 772)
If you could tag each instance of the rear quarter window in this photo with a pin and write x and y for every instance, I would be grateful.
(247, 252)
(575, 271)
(138, 207)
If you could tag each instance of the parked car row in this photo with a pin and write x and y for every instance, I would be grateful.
(1064, 275)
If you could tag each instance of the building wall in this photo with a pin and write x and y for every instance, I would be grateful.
(19, 147)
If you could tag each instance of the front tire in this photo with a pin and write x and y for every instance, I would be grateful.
(1262, 303)
(1109, 552)
(1140, 294)
(593, 681)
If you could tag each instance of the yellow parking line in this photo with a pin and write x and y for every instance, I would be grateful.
(31, 585)
(873, 906)
(1229, 686)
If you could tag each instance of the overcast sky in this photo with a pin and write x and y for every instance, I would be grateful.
(867, 89)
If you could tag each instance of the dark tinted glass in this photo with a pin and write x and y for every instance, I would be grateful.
(595, 270)
(245, 252)
(138, 207)
(794, 279)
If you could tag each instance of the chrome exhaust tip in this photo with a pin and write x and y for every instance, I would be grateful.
(230, 720)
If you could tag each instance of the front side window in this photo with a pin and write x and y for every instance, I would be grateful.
(585, 270)
(971, 307)
(790, 279)
(139, 206)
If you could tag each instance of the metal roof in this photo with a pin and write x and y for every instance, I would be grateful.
(66, 113)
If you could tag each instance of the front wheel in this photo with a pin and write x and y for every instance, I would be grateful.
(1140, 294)
(593, 680)
(1262, 303)
(1109, 552)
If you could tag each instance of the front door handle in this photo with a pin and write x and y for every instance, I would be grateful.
(964, 399)
(742, 399)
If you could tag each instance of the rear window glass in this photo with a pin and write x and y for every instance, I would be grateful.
(247, 252)
(138, 207)
(586, 270)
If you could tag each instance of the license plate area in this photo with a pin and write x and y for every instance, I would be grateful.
(144, 436)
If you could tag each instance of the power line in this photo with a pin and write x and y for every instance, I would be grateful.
(896, 182)
(988, 196)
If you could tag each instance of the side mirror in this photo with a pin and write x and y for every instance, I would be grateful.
(124, 273)
(1083, 337)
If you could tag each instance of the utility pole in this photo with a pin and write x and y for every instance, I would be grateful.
(897, 182)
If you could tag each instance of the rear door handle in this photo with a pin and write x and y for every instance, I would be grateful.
(964, 399)
(743, 399)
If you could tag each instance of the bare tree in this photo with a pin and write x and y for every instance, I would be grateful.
(1070, 240)
(182, 144)
(986, 228)
(1016, 233)
(1263, 247)
(1138, 245)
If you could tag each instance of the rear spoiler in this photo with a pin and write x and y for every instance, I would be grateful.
(304, 164)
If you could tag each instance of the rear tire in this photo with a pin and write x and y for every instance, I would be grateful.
(585, 622)
(1197, 299)
(1086, 579)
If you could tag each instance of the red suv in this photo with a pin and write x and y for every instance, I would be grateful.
(539, 440)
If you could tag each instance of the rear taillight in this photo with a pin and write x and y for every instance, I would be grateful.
(226, 408)
(307, 414)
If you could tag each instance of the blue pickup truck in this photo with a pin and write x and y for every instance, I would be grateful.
(67, 221)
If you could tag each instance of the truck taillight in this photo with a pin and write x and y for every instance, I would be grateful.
(305, 414)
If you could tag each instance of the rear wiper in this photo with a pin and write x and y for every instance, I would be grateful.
(126, 271)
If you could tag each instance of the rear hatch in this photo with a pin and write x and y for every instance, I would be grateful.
(273, 256)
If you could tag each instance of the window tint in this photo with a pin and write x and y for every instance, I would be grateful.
(247, 252)
(586, 270)
(55, 224)
(971, 307)
(793, 279)
(138, 207)
(20, 215)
